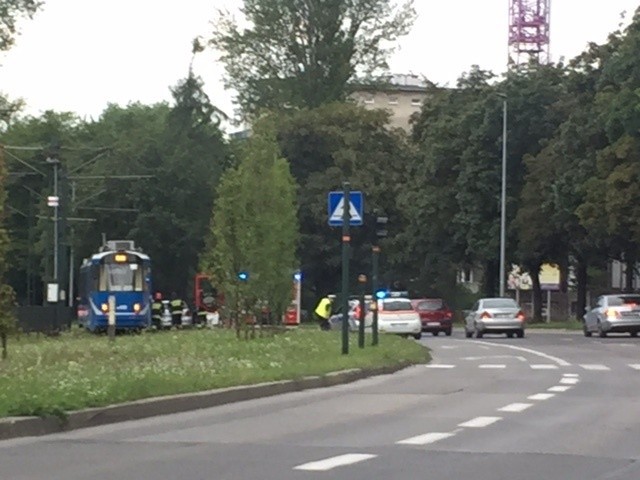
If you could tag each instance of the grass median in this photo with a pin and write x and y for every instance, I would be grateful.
(74, 371)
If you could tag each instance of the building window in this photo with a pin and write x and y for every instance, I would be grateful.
(416, 102)
(465, 275)
(369, 100)
(393, 100)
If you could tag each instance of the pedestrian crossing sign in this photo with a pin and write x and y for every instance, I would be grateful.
(336, 208)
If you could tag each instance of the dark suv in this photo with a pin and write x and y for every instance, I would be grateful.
(434, 314)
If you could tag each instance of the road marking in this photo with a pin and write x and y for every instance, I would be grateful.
(541, 396)
(487, 357)
(439, 365)
(558, 389)
(571, 375)
(595, 367)
(516, 407)
(569, 380)
(425, 439)
(544, 366)
(491, 365)
(635, 366)
(333, 462)
(448, 347)
(479, 422)
(559, 361)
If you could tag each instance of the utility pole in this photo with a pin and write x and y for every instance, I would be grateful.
(346, 239)
(503, 201)
(54, 202)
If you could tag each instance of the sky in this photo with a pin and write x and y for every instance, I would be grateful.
(80, 55)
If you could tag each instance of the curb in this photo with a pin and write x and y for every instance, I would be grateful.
(14, 427)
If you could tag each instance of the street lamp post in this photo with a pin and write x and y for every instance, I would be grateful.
(503, 200)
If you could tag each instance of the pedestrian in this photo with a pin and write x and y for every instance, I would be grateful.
(156, 310)
(177, 306)
(323, 312)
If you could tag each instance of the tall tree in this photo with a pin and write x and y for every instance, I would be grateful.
(254, 225)
(302, 53)
(10, 12)
(7, 296)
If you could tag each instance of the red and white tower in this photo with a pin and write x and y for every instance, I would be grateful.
(529, 31)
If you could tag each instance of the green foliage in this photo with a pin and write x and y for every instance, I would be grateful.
(11, 11)
(254, 225)
(326, 146)
(57, 375)
(303, 54)
(7, 297)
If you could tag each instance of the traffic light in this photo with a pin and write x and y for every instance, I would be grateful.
(381, 227)
(243, 276)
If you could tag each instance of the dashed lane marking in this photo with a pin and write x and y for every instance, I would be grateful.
(561, 388)
(635, 366)
(544, 366)
(571, 375)
(595, 367)
(492, 365)
(480, 422)
(541, 396)
(515, 407)
(440, 366)
(333, 462)
(426, 439)
(569, 380)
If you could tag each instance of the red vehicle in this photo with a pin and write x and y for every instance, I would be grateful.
(436, 317)
(205, 296)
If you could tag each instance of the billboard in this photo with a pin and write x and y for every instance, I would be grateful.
(521, 280)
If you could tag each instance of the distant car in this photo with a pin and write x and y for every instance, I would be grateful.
(495, 315)
(397, 316)
(434, 314)
(613, 314)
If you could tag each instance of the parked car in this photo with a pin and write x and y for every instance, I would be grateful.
(434, 314)
(613, 314)
(495, 315)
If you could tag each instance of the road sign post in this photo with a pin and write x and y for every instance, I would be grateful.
(346, 240)
(337, 203)
(362, 280)
(374, 289)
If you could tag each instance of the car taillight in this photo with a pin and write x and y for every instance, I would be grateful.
(104, 307)
(136, 307)
(485, 315)
(449, 314)
(612, 313)
(521, 316)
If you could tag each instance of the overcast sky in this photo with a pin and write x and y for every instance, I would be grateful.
(79, 55)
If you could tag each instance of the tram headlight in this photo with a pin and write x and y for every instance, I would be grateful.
(136, 307)
(121, 257)
(104, 307)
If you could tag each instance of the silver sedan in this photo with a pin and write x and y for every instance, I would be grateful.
(613, 314)
(494, 315)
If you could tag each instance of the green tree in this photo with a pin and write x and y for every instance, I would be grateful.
(303, 53)
(10, 12)
(254, 226)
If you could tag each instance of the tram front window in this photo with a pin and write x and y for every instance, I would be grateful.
(122, 277)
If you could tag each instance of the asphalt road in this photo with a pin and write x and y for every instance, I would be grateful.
(547, 407)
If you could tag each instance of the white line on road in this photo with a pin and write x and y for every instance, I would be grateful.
(516, 407)
(544, 366)
(558, 389)
(479, 422)
(492, 365)
(635, 366)
(333, 462)
(596, 367)
(559, 361)
(425, 439)
(541, 396)
(448, 347)
(571, 375)
(439, 365)
(569, 380)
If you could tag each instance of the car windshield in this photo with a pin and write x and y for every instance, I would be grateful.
(499, 303)
(430, 305)
(397, 305)
(627, 301)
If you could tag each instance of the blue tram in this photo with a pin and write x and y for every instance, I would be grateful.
(124, 272)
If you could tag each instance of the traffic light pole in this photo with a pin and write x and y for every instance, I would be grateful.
(374, 287)
(346, 239)
(362, 279)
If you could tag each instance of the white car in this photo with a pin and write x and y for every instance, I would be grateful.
(397, 316)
